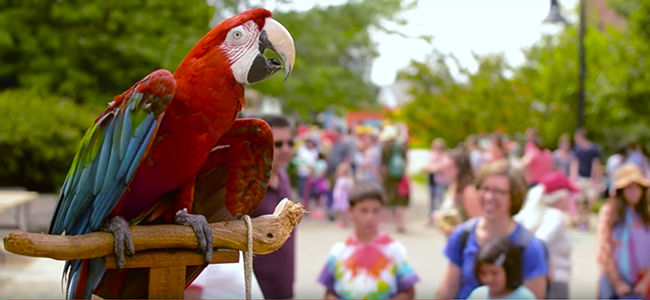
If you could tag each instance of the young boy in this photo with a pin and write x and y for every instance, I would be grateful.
(369, 264)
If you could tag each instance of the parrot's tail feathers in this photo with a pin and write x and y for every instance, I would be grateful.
(82, 277)
(65, 279)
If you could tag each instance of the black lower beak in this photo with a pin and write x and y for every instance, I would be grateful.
(263, 68)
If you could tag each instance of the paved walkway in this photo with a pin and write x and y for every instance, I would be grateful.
(22, 277)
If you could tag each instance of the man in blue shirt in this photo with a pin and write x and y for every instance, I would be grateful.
(585, 172)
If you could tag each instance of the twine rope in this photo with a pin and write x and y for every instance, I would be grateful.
(248, 257)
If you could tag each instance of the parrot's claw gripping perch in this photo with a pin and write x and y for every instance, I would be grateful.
(202, 229)
(122, 235)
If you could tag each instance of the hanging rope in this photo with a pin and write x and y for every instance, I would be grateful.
(248, 257)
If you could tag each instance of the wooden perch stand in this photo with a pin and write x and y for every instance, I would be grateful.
(165, 249)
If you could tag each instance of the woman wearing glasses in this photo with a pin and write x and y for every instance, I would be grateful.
(501, 190)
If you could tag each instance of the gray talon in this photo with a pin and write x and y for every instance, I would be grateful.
(202, 230)
(122, 235)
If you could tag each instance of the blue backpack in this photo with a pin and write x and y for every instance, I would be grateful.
(522, 239)
(397, 163)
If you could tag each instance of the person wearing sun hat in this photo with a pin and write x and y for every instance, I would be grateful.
(544, 213)
(624, 238)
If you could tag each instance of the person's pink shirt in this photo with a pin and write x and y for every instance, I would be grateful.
(541, 164)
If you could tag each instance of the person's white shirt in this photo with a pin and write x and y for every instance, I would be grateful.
(552, 231)
(611, 166)
(307, 160)
(550, 226)
(226, 281)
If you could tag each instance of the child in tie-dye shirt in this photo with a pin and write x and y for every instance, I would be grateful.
(369, 264)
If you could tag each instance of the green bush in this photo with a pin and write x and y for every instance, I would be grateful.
(420, 178)
(39, 135)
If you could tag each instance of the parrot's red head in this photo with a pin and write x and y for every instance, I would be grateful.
(239, 42)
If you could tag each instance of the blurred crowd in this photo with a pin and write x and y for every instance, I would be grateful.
(505, 207)
(547, 191)
(578, 158)
(327, 162)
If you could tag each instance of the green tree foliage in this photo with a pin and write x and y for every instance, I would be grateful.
(450, 108)
(38, 138)
(624, 8)
(94, 50)
(335, 52)
(543, 91)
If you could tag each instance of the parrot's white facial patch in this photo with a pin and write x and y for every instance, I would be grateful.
(241, 48)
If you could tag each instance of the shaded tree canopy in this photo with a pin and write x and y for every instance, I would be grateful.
(94, 50)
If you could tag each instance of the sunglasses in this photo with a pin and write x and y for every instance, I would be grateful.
(278, 144)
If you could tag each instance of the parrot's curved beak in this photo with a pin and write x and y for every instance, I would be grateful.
(277, 38)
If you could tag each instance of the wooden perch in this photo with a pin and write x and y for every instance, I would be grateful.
(269, 234)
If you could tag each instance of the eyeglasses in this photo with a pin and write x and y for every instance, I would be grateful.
(494, 191)
(278, 144)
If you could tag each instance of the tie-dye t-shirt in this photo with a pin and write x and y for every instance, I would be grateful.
(374, 270)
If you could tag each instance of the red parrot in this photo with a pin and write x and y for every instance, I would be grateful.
(168, 136)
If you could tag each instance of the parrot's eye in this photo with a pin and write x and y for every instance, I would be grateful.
(237, 35)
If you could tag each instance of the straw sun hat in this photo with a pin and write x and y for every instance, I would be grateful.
(629, 174)
(365, 130)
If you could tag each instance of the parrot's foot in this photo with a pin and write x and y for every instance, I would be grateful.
(201, 228)
(120, 229)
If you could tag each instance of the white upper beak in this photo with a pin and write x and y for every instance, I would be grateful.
(282, 43)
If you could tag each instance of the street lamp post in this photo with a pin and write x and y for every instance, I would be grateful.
(554, 16)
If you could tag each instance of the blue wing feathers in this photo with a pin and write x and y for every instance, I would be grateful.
(105, 163)
(104, 157)
(125, 119)
(103, 205)
(131, 149)
(74, 276)
(74, 212)
(143, 146)
(116, 158)
(112, 166)
(95, 273)
(117, 136)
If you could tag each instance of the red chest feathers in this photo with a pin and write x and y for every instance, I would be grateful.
(183, 142)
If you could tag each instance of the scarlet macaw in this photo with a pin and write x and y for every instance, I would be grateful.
(171, 146)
